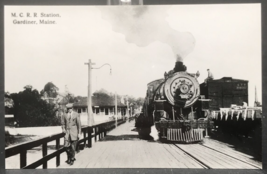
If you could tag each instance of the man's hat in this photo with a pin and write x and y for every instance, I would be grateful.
(69, 106)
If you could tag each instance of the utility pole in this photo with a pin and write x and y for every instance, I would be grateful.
(116, 109)
(90, 118)
(127, 103)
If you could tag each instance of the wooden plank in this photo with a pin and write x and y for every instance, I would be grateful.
(102, 155)
(215, 157)
(103, 162)
(162, 156)
(200, 155)
(82, 159)
(110, 157)
(224, 147)
(149, 156)
(175, 157)
(92, 156)
(143, 162)
(156, 155)
(178, 160)
(212, 157)
(138, 159)
(122, 150)
(96, 154)
(185, 159)
(234, 163)
(235, 154)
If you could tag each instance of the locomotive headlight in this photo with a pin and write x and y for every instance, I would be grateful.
(184, 89)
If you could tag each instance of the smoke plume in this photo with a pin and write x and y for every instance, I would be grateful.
(143, 25)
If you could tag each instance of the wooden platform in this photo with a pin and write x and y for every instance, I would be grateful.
(122, 148)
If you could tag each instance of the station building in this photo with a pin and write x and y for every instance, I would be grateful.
(100, 107)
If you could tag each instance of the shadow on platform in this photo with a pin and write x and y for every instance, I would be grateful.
(126, 137)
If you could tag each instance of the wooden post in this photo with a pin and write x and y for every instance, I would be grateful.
(108, 127)
(44, 149)
(105, 130)
(84, 136)
(23, 158)
(58, 156)
(116, 109)
(99, 133)
(89, 138)
(96, 130)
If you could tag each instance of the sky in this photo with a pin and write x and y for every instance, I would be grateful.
(139, 42)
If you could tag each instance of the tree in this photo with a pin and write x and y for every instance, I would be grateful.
(8, 100)
(9, 103)
(50, 89)
(31, 110)
(104, 96)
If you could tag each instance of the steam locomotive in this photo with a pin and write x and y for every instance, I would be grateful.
(180, 107)
(174, 105)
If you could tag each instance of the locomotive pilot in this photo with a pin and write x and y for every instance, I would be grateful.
(71, 126)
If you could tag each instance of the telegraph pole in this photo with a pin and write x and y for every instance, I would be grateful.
(116, 109)
(90, 118)
(89, 99)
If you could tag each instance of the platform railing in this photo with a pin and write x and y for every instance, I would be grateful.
(88, 133)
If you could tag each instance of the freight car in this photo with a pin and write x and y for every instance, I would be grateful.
(174, 105)
(224, 92)
(227, 110)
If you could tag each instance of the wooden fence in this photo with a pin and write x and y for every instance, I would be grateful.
(88, 133)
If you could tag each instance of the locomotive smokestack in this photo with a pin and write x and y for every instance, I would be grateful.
(179, 65)
(179, 58)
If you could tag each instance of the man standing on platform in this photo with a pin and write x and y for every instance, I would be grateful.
(71, 126)
(210, 76)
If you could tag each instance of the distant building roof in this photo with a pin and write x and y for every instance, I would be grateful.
(97, 101)
(230, 78)
(225, 79)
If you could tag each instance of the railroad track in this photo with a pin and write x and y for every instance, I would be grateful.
(212, 158)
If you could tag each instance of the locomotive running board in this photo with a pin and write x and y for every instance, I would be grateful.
(193, 135)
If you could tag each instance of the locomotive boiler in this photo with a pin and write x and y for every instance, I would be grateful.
(174, 105)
